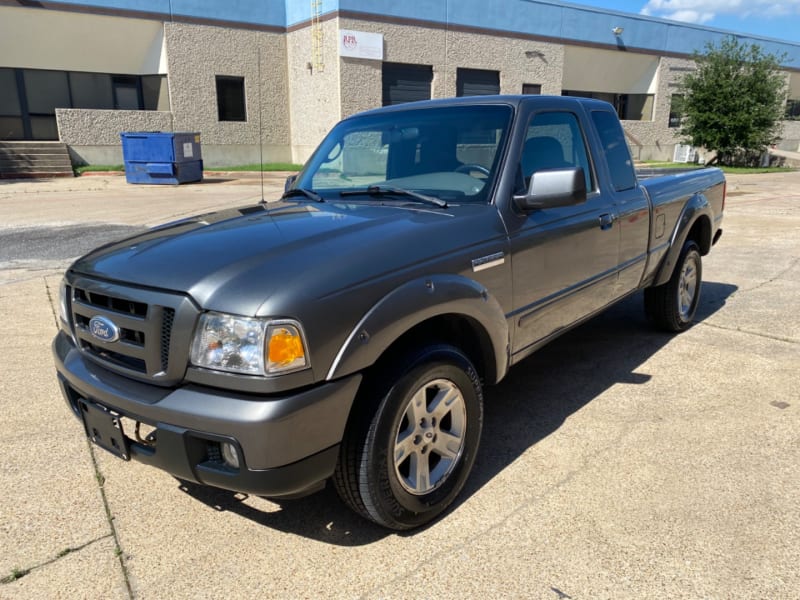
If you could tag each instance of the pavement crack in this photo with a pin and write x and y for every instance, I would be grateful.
(52, 298)
(777, 338)
(766, 282)
(101, 481)
(18, 573)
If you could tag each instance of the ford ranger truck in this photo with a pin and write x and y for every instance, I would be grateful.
(345, 332)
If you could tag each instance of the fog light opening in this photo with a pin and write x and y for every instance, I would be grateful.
(230, 455)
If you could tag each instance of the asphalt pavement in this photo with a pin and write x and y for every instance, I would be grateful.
(617, 462)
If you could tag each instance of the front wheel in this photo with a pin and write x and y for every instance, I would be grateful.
(404, 462)
(672, 306)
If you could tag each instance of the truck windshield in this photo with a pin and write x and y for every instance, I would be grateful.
(451, 153)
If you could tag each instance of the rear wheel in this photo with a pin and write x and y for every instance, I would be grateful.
(403, 462)
(672, 306)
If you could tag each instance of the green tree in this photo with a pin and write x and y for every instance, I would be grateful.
(734, 102)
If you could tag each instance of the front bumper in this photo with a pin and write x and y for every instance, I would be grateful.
(287, 444)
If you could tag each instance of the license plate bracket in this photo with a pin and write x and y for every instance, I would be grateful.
(104, 429)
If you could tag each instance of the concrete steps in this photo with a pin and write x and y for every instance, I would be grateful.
(34, 160)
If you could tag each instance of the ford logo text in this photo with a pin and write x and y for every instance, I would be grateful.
(103, 329)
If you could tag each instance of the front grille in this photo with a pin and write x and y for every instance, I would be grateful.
(119, 305)
(143, 323)
(117, 358)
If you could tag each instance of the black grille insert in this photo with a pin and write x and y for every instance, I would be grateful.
(122, 360)
(120, 305)
(167, 318)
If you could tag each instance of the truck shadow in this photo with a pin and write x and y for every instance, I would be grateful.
(533, 401)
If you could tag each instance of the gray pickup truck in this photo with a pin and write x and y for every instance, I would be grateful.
(345, 332)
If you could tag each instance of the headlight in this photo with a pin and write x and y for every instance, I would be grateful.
(251, 346)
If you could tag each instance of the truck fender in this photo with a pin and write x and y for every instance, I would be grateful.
(697, 207)
(411, 304)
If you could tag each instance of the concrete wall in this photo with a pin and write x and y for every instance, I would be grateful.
(93, 135)
(790, 136)
(314, 94)
(196, 54)
(519, 61)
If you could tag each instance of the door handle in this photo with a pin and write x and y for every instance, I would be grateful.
(606, 221)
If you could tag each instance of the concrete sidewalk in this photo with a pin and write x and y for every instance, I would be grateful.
(618, 462)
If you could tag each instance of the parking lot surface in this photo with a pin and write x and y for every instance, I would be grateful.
(617, 462)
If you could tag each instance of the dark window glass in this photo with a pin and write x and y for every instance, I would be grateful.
(792, 109)
(555, 141)
(154, 92)
(531, 88)
(11, 128)
(675, 110)
(126, 92)
(406, 83)
(91, 90)
(9, 96)
(44, 127)
(46, 91)
(230, 98)
(629, 107)
(477, 82)
(617, 154)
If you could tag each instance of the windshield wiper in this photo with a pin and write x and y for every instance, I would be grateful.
(302, 192)
(380, 190)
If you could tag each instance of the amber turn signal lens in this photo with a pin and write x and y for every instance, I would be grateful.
(285, 349)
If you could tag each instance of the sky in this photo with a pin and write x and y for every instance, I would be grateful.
(766, 18)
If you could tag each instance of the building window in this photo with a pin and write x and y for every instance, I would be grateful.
(629, 107)
(477, 82)
(675, 110)
(11, 123)
(230, 98)
(127, 95)
(406, 83)
(792, 110)
(29, 98)
(532, 88)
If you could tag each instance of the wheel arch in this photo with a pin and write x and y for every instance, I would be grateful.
(694, 224)
(446, 309)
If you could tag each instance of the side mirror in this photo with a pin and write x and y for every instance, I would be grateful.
(553, 188)
(289, 181)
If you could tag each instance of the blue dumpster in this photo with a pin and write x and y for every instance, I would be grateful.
(157, 157)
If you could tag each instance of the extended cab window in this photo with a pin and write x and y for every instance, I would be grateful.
(623, 176)
(555, 141)
(450, 152)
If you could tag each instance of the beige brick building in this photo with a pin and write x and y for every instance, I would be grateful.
(272, 78)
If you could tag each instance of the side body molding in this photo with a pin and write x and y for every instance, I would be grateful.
(696, 208)
(417, 301)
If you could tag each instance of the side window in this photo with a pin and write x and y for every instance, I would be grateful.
(555, 141)
(623, 177)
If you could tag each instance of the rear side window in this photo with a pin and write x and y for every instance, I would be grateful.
(619, 160)
(555, 141)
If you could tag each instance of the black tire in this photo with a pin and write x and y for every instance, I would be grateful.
(672, 305)
(386, 487)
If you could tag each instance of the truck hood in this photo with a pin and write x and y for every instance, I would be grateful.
(252, 260)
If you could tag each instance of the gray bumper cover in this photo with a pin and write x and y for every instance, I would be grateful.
(288, 443)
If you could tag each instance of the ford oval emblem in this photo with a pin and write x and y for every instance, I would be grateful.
(103, 329)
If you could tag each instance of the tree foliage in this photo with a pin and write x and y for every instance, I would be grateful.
(734, 102)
